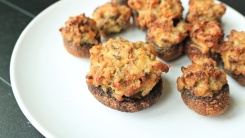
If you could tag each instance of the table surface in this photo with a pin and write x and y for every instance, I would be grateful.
(14, 17)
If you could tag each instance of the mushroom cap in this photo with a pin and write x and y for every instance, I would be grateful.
(128, 104)
(208, 106)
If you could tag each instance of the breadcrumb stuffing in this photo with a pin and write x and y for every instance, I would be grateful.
(164, 33)
(206, 36)
(233, 53)
(80, 30)
(206, 10)
(202, 77)
(112, 18)
(124, 67)
(150, 10)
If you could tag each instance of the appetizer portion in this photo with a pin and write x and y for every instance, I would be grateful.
(112, 18)
(166, 38)
(145, 12)
(205, 40)
(204, 87)
(206, 10)
(79, 35)
(124, 75)
(233, 56)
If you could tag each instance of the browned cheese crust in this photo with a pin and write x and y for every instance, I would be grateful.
(206, 10)
(205, 40)
(146, 12)
(166, 38)
(204, 87)
(79, 35)
(128, 104)
(125, 69)
(112, 18)
(233, 56)
(208, 106)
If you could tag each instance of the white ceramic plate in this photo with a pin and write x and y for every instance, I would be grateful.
(50, 88)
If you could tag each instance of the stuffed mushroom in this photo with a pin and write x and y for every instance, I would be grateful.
(233, 56)
(204, 87)
(79, 35)
(124, 75)
(167, 39)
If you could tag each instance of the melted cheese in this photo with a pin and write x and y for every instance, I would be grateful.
(124, 67)
(202, 77)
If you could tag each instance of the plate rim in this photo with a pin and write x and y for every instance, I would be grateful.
(13, 82)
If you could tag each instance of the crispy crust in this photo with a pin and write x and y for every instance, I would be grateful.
(80, 30)
(144, 28)
(146, 12)
(208, 106)
(202, 77)
(78, 51)
(127, 68)
(205, 9)
(167, 53)
(128, 104)
(193, 51)
(79, 35)
(233, 56)
(239, 78)
(112, 18)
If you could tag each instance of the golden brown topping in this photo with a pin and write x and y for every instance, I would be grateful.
(80, 30)
(124, 67)
(112, 18)
(206, 10)
(206, 35)
(150, 10)
(202, 77)
(233, 53)
(164, 33)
